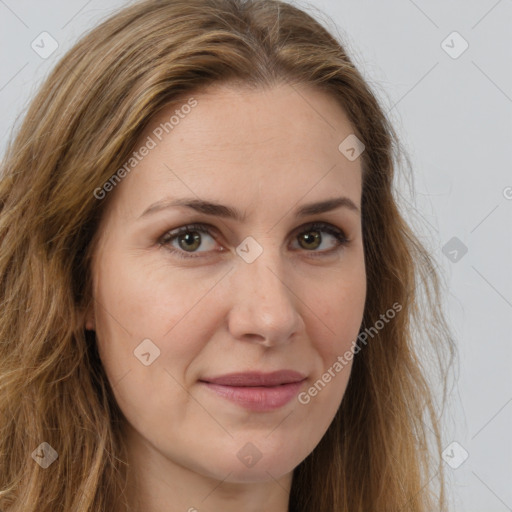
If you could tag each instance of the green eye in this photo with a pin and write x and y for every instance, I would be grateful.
(189, 239)
(185, 241)
(312, 237)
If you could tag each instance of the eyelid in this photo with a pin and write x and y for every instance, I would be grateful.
(172, 234)
(324, 226)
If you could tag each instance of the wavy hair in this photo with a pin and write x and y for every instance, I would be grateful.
(382, 450)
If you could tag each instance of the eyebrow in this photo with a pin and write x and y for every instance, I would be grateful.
(228, 212)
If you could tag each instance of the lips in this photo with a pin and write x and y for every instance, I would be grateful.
(253, 379)
(255, 391)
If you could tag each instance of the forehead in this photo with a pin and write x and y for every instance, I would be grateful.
(248, 145)
(251, 116)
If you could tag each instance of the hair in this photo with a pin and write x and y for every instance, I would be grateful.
(383, 449)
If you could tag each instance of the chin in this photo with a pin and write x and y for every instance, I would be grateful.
(249, 465)
(257, 474)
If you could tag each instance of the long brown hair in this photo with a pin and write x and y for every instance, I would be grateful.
(382, 451)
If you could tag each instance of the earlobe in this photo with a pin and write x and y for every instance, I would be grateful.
(90, 324)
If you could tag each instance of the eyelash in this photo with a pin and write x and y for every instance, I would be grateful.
(170, 236)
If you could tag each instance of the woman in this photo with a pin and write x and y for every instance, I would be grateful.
(210, 300)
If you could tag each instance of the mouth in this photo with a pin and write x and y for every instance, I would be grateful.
(257, 391)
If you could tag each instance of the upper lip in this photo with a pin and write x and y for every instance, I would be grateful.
(243, 379)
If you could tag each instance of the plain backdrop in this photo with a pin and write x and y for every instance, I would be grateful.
(443, 72)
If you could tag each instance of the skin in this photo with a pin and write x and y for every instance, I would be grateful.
(296, 306)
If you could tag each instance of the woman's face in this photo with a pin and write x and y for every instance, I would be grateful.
(254, 290)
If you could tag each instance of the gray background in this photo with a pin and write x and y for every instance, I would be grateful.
(454, 116)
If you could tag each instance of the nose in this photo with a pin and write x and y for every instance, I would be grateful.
(265, 307)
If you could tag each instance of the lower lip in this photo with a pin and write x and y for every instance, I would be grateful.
(259, 399)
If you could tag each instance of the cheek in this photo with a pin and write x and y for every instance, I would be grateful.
(338, 315)
(150, 301)
(135, 303)
(339, 307)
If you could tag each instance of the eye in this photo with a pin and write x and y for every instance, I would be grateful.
(185, 241)
(310, 238)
